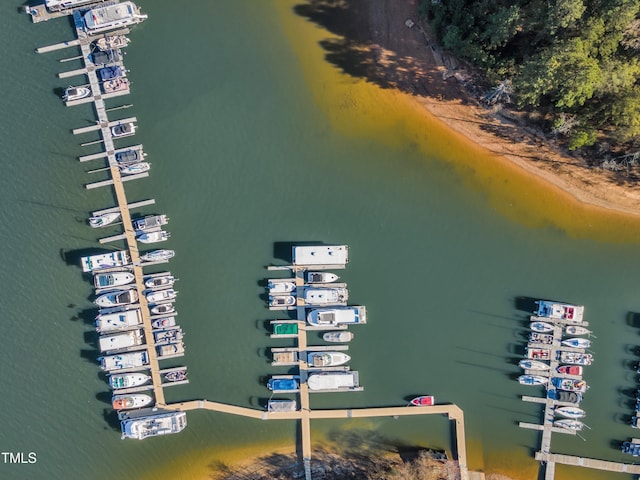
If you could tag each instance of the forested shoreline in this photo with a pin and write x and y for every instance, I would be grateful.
(572, 64)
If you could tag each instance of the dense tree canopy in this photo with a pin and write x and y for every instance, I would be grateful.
(573, 59)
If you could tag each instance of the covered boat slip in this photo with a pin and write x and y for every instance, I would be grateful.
(321, 256)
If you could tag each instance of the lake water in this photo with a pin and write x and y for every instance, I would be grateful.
(255, 141)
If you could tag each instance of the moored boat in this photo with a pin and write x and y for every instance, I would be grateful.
(119, 341)
(541, 327)
(327, 359)
(632, 448)
(112, 41)
(569, 369)
(423, 401)
(140, 428)
(570, 412)
(115, 85)
(153, 237)
(135, 168)
(176, 376)
(321, 277)
(333, 381)
(130, 155)
(565, 396)
(110, 17)
(338, 337)
(569, 424)
(560, 311)
(569, 384)
(532, 380)
(157, 255)
(280, 287)
(542, 338)
(577, 342)
(335, 316)
(127, 402)
(119, 297)
(58, 5)
(325, 296)
(76, 93)
(163, 323)
(111, 322)
(113, 279)
(576, 330)
(276, 384)
(282, 301)
(538, 353)
(161, 295)
(576, 358)
(150, 222)
(124, 360)
(123, 130)
(163, 308)
(111, 72)
(161, 281)
(533, 365)
(103, 220)
(128, 380)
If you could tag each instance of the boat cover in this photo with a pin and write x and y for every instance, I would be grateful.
(108, 73)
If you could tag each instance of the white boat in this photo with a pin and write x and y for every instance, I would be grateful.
(325, 296)
(172, 335)
(321, 277)
(140, 428)
(541, 327)
(128, 380)
(124, 360)
(560, 311)
(110, 17)
(135, 168)
(57, 5)
(173, 349)
(576, 330)
(333, 255)
(112, 279)
(117, 298)
(282, 301)
(150, 222)
(281, 286)
(569, 424)
(115, 85)
(569, 384)
(161, 295)
(76, 93)
(333, 381)
(157, 255)
(576, 358)
(533, 365)
(161, 281)
(104, 219)
(163, 323)
(153, 237)
(112, 42)
(119, 341)
(123, 130)
(577, 342)
(113, 322)
(327, 359)
(129, 401)
(163, 308)
(338, 337)
(570, 412)
(337, 316)
(532, 380)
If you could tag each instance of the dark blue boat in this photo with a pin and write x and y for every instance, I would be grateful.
(631, 448)
(109, 73)
(564, 396)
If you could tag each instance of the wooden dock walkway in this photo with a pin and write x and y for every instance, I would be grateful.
(551, 458)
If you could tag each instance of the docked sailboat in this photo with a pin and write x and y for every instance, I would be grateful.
(140, 428)
(161, 281)
(327, 359)
(576, 330)
(533, 365)
(128, 380)
(577, 342)
(532, 380)
(570, 412)
(338, 337)
(113, 279)
(110, 17)
(119, 297)
(163, 308)
(541, 327)
(176, 376)
(127, 402)
(153, 237)
(161, 295)
(104, 219)
(135, 168)
(321, 277)
(569, 424)
(157, 255)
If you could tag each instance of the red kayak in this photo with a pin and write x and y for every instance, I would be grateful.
(570, 369)
(423, 401)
